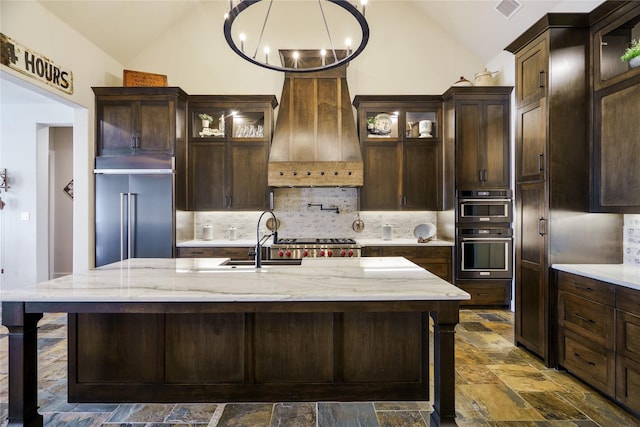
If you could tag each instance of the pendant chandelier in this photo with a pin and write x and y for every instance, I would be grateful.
(306, 35)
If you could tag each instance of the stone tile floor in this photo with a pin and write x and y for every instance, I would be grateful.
(498, 385)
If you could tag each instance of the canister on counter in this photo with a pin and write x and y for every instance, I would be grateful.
(233, 235)
(386, 232)
(207, 232)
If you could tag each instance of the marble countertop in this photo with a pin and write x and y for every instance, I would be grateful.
(209, 280)
(627, 275)
(197, 243)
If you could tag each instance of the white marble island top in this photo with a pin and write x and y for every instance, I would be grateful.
(209, 280)
(627, 275)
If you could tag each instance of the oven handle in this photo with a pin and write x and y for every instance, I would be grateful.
(476, 239)
(485, 200)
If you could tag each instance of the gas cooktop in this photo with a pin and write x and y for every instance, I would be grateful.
(321, 241)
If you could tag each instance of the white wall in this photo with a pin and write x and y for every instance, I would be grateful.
(407, 54)
(33, 26)
(20, 237)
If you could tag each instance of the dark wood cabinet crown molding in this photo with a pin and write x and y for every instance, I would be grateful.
(550, 20)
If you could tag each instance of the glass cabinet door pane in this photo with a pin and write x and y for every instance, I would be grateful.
(208, 123)
(382, 124)
(613, 45)
(248, 124)
(421, 124)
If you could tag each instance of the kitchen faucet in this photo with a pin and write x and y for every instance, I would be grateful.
(259, 241)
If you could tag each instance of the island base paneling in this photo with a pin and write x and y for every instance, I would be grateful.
(221, 357)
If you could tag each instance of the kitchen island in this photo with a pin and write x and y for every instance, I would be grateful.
(187, 330)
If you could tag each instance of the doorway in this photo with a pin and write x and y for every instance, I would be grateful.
(60, 201)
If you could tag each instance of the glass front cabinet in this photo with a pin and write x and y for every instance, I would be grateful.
(401, 143)
(228, 152)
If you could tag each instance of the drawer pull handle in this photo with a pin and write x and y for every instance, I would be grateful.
(584, 318)
(588, 361)
(586, 288)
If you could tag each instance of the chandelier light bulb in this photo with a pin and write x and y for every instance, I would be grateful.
(243, 37)
(296, 55)
(266, 54)
(323, 53)
(348, 43)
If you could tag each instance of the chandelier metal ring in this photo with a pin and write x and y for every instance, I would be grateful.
(344, 4)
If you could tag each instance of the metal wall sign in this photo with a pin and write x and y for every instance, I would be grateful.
(35, 65)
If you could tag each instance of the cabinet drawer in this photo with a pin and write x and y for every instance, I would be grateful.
(490, 293)
(420, 254)
(628, 383)
(627, 334)
(195, 253)
(589, 319)
(232, 252)
(215, 252)
(628, 299)
(594, 365)
(591, 289)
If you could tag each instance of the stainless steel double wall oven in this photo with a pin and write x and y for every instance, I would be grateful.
(484, 236)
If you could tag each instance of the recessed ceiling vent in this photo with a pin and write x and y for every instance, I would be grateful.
(508, 8)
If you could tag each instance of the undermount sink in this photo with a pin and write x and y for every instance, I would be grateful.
(264, 262)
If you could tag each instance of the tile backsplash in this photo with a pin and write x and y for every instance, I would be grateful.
(299, 219)
(631, 244)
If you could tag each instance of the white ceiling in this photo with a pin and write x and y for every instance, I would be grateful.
(124, 28)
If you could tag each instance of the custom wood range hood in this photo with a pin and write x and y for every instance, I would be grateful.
(315, 141)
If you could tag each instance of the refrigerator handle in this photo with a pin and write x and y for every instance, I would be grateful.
(122, 220)
(130, 224)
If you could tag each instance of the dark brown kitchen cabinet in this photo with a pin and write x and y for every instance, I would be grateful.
(552, 170)
(133, 120)
(482, 135)
(532, 132)
(486, 293)
(532, 71)
(599, 335)
(616, 152)
(207, 178)
(616, 181)
(531, 266)
(403, 163)
(586, 330)
(228, 152)
(628, 348)
(232, 252)
(617, 24)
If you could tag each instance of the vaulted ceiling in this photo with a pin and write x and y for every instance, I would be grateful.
(124, 28)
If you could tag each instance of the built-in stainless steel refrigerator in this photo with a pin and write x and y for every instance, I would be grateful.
(135, 214)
